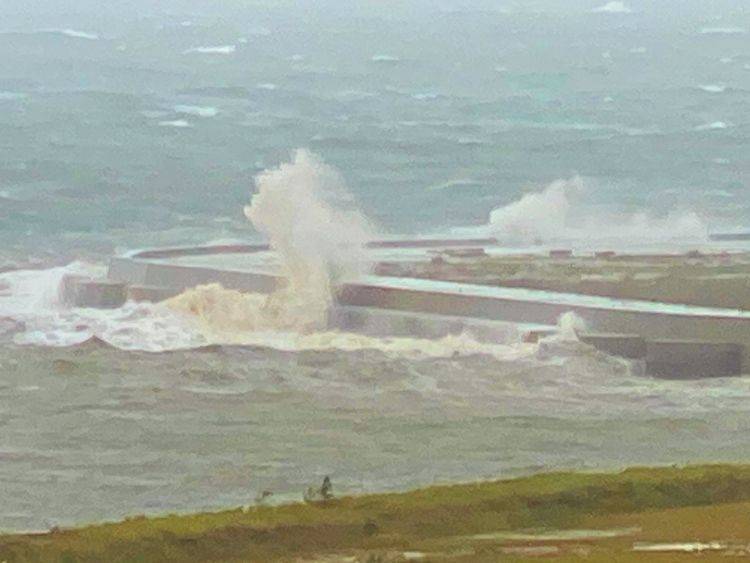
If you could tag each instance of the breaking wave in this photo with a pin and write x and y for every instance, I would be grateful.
(309, 219)
(212, 50)
(33, 312)
(559, 213)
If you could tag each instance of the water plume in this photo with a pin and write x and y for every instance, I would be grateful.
(559, 213)
(308, 216)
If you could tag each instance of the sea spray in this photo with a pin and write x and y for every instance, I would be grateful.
(560, 214)
(540, 215)
(308, 216)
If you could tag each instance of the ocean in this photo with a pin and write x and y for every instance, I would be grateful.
(134, 125)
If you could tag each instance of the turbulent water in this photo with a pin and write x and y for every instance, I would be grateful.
(524, 120)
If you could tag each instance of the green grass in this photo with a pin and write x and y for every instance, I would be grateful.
(437, 518)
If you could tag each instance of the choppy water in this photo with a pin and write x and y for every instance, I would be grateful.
(95, 433)
(144, 126)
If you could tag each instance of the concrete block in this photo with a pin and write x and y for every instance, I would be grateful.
(605, 254)
(535, 335)
(690, 359)
(151, 294)
(560, 254)
(10, 326)
(101, 294)
(630, 346)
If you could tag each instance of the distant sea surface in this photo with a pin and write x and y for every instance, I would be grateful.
(146, 127)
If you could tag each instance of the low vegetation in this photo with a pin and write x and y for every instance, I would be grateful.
(466, 522)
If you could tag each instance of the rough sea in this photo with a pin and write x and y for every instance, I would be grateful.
(137, 124)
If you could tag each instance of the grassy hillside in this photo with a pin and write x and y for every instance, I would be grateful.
(544, 515)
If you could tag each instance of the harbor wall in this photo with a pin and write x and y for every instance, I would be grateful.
(696, 331)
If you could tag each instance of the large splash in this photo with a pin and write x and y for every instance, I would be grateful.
(560, 213)
(310, 220)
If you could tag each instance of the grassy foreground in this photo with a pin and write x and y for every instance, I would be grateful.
(563, 516)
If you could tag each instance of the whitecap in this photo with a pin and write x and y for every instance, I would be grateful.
(723, 30)
(713, 88)
(716, 125)
(453, 184)
(179, 123)
(384, 59)
(266, 86)
(212, 50)
(76, 34)
(425, 96)
(354, 95)
(613, 8)
(198, 111)
(470, 141)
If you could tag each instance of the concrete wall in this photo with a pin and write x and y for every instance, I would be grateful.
(165, 275)
(690, 359)
(630, 346)
(385, 323)
(650, 325)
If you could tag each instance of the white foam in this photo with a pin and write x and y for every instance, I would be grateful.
(212, 50)
(455, 184)
(713, 88)
(198, 111)
(354, 95)
(613, 8)
(266, 86)
(178, 123)
(32, 297)
(715, 125)
(76, 34)
(384, 59)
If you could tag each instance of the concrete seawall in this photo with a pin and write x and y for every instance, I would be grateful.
(676, 334)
